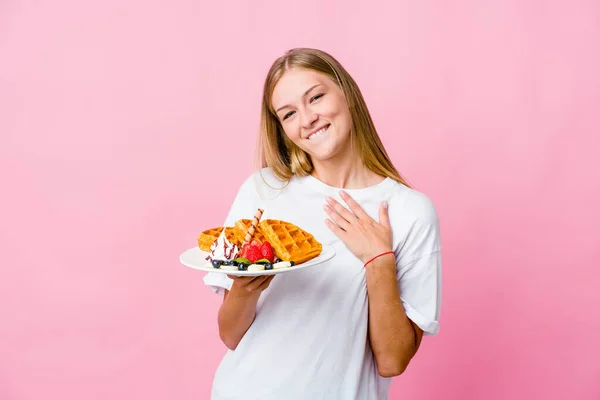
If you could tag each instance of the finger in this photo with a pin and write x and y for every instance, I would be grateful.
(336, 217)
(265, 284)
(340, 209)
(261, 283)
(354, 206)
(256, 283)
(244, 281)
(339, 232)
(384, 216)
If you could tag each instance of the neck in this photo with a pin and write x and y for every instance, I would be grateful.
(347, 173)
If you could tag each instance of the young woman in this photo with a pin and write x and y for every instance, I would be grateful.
(342, 329)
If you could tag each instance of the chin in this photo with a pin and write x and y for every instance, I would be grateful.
(329, 152)
(323, 156)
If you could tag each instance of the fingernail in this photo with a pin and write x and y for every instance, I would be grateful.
(385, 204)
(342, 193)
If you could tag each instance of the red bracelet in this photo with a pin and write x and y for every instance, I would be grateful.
(382, 254)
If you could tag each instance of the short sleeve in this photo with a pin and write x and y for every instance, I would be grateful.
(421, 291)
(419, 269)
(245, 204)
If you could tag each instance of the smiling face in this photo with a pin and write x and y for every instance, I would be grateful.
(314, 113)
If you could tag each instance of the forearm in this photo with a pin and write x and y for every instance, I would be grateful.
(392, 336)
(236, 315)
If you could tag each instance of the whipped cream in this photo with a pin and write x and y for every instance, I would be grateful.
(222, 249)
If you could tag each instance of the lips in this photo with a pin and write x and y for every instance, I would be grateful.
(318, 131)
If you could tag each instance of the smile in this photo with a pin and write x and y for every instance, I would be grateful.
(318, 133)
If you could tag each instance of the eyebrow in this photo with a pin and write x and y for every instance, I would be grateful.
(305, 93)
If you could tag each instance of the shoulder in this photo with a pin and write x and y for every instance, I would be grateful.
(411, 204)
(415, 223)
(263, 183)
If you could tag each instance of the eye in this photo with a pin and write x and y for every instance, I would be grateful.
(286, 116)
(317, 97)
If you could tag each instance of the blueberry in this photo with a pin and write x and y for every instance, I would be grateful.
(292, 263)
(234, 263)
(268, 266)
(217, 263)
(227, 263)
(242, 267)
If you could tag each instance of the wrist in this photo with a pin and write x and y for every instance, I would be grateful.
(378, 257)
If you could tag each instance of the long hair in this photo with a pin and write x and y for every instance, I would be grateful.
(274, 148)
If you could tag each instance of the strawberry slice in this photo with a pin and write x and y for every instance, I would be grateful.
(253, 253)
(242, 252)
(267, 251)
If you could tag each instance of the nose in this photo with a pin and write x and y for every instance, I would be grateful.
(308, 118)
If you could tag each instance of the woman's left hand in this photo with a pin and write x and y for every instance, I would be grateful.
(363, 236)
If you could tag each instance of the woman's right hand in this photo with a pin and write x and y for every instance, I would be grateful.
(252, 284)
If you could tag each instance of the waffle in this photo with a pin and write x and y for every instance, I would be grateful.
(243, 225)
(208, 237)
(290, 242)
(235, 234)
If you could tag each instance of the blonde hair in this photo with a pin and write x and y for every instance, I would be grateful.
(277, 151)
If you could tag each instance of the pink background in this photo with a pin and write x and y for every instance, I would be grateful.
(126, 128)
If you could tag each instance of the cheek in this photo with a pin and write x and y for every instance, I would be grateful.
(337, 108)
(345, 118)
(291, 131)
(348, 120)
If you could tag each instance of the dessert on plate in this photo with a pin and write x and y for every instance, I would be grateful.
(251, 245)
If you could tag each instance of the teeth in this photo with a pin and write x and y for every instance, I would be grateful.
(318, 133)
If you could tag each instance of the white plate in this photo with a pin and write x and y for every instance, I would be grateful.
(196, 258)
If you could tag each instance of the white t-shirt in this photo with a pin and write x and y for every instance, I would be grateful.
(309, 337)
